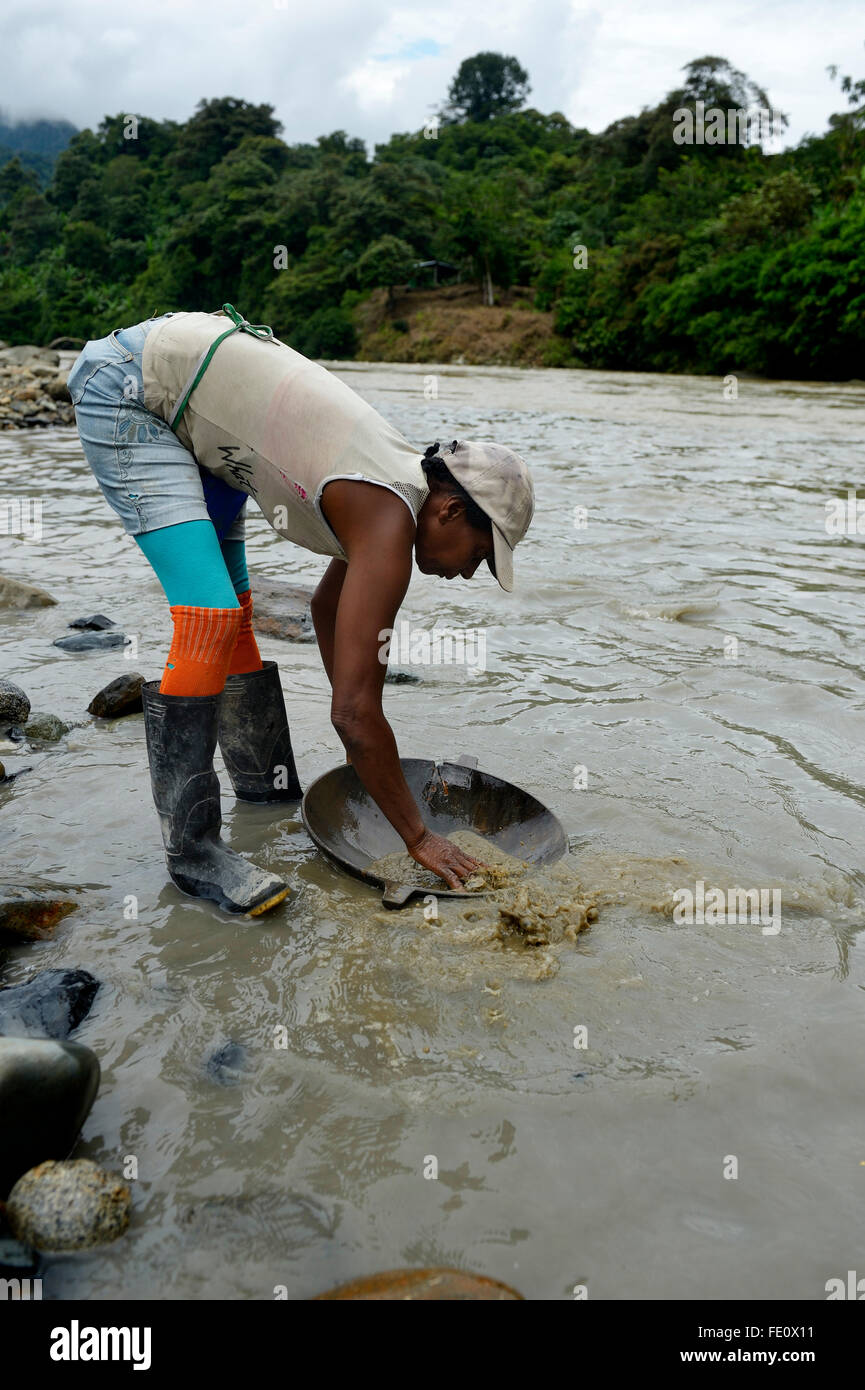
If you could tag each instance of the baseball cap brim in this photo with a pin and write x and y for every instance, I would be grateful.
(503, 560)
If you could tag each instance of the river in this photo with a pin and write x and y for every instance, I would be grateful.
(676, 1111)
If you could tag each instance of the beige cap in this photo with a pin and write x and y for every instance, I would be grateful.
(499, 481)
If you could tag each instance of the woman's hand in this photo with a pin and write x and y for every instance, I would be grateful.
(445, 859)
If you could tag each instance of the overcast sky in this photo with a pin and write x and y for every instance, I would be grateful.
(378, 67)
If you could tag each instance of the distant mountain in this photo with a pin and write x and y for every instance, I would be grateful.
(37, 143)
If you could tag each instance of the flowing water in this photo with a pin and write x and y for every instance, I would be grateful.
(681, 680)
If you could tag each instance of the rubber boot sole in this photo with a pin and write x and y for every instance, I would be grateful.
(271, 902)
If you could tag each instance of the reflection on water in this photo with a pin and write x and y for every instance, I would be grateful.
(679, 676)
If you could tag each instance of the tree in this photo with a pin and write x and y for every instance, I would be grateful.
(486, 86)
(15, 180)
(716, 82)
(484, 228)
(388, 262)
(217, 127)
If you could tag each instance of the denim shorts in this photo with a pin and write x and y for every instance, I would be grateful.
(149, 478)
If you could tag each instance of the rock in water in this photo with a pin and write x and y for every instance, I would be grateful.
(70, 1205)
(90, 641)
(95, 623)
(424, 1285)
(50, 1005)
(15, 594)
(282, 610)
(14, 705)
(396, 676)
(47, 727)
(46, 1091)
(17, 1261)
(121, 696)
(28, 915)
(227, 1064)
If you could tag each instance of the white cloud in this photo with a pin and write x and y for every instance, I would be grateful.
(381, 68)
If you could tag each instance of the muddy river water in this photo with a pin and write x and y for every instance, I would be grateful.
(675, 1110)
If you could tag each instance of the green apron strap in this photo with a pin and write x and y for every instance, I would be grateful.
(258, 330)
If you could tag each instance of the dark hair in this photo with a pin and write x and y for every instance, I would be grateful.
(439, 475)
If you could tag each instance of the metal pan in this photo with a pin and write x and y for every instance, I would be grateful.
(346, 824)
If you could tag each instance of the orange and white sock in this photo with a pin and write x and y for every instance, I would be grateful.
(201, 650)
(246, 656)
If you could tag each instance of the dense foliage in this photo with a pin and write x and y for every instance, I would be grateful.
(699, 257)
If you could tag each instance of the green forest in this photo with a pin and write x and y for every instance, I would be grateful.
(701, 257)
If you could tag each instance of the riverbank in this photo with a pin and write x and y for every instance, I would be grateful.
(452, 324)
(33, 387)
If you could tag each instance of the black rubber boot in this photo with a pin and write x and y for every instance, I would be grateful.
(254, 737)
(181, 739)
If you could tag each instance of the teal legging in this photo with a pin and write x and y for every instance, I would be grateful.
(195, 569)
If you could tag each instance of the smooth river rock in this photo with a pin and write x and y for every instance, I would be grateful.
(424, 1285)
(119, 697)
(50, 1005)
(70, 1205)
(29, 914)
(90, 641)
(15, 594)
(14, 705)
(281, 609)
(46, 1091)
(44, 726)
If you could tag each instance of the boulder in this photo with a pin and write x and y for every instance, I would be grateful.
(14, 705)
(47, 727)
(56, 387)
(281, 610)
(119, 697)
(70, 1205)
(46, 1091)
(30, 915)
(16, 594)
(423, 1285)
(91, 641)
(50, 1005)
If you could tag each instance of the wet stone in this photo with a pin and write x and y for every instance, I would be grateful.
(119, 697)
(46, 1091)
(396, 676)
(281, 610)
(17, 1261)
(16, 594)
(95, 623)
(46, 727)
(227, 1064)
(90, 641)
(14, 705)
(30, 915)
(50, 1005)
(71, 1205)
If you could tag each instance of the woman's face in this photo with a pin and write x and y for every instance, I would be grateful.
(446, 544)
